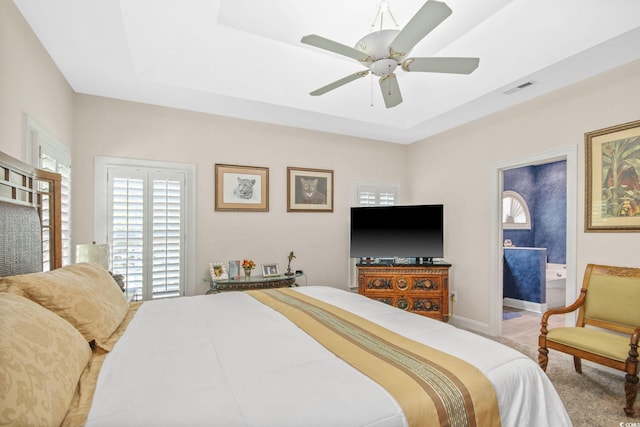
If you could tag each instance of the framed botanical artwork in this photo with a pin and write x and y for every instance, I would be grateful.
(309, 190)
(241, 188)
(612, 199)
(270, 270)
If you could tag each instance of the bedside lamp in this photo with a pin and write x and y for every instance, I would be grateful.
(90, 252)
(99, 254)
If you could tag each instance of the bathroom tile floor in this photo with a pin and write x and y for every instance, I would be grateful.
(526, 327)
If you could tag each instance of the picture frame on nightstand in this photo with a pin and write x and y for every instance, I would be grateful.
(234, 270)
(217, 271)
(270, 270)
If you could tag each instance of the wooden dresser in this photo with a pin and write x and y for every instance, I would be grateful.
(422, 289)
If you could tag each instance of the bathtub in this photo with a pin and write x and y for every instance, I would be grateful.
(556, 281)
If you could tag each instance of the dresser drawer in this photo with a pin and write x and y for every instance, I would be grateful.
(422, 290)
(402, 283)
(428, 306)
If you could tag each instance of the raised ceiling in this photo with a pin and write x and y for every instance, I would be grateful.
(244, 59)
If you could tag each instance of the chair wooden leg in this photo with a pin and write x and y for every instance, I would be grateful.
(543, 358)
(577, 363)
(630, 391)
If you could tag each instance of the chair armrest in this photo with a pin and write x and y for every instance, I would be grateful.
(544, 321)
(635, 338)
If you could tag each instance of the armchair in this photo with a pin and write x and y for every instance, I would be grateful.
(607, 329)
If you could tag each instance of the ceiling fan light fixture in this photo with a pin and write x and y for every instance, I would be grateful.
(383, 67)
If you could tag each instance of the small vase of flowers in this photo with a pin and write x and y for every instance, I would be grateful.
(247, 266)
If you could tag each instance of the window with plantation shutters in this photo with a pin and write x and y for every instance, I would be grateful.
(46, 152)
(146, 233)
(371, 195)
(145, 211)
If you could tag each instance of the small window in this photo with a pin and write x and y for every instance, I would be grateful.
(46, 152)
(376, 195)
(515, 212)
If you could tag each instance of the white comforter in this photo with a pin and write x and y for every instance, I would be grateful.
(228, 360)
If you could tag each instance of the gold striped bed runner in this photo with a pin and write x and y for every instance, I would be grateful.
(432, 387)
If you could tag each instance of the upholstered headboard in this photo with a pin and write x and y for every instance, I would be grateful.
(26, 195)
(20, 239)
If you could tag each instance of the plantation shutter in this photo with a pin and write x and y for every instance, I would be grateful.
(146, 233)
(166, 237)
(47, 153)
(49, 163)
(368, 195)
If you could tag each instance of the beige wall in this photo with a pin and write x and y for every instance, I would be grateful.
(461, 164)
(30, 83)
(106, 127)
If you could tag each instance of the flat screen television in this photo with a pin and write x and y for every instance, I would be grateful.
(390, 232)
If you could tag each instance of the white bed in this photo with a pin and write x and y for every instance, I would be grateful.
(229, 360)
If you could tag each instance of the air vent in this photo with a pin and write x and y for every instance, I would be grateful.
(517, 88)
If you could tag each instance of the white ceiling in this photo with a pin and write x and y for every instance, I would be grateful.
(244, 59)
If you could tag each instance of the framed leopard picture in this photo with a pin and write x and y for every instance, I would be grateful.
(241, 188)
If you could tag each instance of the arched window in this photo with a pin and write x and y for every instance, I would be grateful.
(515, 212)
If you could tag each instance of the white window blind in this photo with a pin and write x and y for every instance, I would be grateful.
(146, 211)
(370, 195)
(167, 234)
(49, 154)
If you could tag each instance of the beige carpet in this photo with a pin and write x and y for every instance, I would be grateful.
(594, 398)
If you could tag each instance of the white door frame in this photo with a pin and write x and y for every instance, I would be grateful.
(570, 154)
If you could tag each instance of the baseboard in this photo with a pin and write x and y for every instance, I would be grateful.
(469, 324)
(525, 305)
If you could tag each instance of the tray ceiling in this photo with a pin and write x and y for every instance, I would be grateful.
(244, 59)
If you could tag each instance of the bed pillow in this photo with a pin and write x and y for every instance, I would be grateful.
(83, 294)
(42, 358)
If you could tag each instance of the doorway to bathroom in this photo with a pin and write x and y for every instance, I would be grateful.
(534, 224)
(535, 227)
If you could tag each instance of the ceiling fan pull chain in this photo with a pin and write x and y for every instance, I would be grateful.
(371, 85)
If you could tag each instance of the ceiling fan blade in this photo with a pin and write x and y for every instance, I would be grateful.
(430, 15)
(330, 45)
(343, 81)
(390, 90)
(441, 65)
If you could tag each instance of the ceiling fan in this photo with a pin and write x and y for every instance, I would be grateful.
(383, 50)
